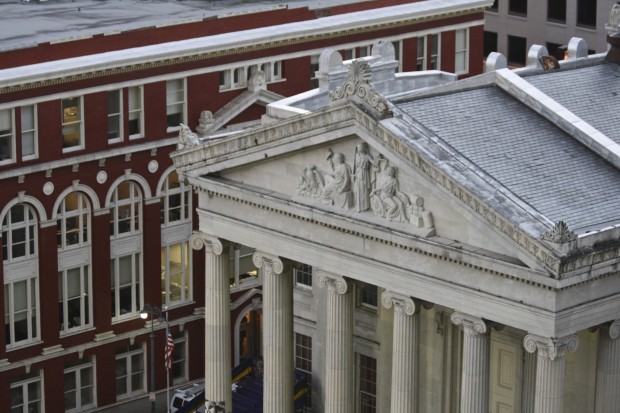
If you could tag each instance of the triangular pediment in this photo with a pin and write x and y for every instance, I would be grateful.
(300, 159)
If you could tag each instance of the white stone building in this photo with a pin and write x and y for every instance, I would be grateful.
(463, 238)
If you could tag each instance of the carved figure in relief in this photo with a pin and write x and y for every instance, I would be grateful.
(187, 137)
(388, 201)
(311, 182)
(364, 180)
(337, 189)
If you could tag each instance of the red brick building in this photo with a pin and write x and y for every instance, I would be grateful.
(94, 220)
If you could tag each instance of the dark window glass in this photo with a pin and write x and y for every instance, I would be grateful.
(493, 7)
(586, 13)
(490, 42)
(516, 50)
(556, 11)
(518, 7)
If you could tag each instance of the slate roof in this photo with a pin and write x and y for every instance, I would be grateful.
(530, 156)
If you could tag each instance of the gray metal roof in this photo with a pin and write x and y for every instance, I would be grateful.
(592, 93)
(531, 157)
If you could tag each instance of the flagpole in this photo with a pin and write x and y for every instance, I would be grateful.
(167, 371)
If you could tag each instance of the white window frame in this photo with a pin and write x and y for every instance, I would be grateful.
(24, 384)
(398, 53)
(77, 123)
(129, 209)
(173, 93)
(303, 271)
(135, 103)
(275, 71)
(29, 226)
(236, 259)
(301, 361)
(185, 285)
(76, 369)
(83, 295)
(30, 131)
(7, 137)
(362, 303)
(134, 351)
(437, 56)
(134, 285)
(74, 238)
(180, 345)
(461, 52)
(421, 53)
(358, 399)
(118, 115)
(168, 192)
(31, 311)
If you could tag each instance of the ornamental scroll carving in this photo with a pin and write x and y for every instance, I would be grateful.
(336, 284)
(212, 244)
(270, 264)
(371, 185)
(357, 84)
(472, 326)
(550, 348)
(402, 304)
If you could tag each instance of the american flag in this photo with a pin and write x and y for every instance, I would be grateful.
(168, 350)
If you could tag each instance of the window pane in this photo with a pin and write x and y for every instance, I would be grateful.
(556, 11)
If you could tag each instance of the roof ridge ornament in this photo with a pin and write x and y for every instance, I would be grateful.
(357, 83)
(559, 234)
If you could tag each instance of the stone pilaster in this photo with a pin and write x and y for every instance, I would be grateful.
(217, 320)
(550, 369)
(404, 352)
(608, 369)
(475, 370)
(277, 333)
(339, 344)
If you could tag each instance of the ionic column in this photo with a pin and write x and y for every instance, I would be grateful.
(475, 370)
(339, 344)
(404, 352)
(550, 368)
(608, 369)
(528, 390)
(277, 333)
(217, 320)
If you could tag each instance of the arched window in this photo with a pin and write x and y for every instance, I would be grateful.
(125, 209)
(73, 220)
(21, 284)
(126, 250)
(176, 200)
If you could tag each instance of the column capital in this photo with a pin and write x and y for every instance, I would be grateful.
(473, 326)
(550, 348)
(212, 244)
(336, 284)
(612, 328)
(271, 264)
(402, 303)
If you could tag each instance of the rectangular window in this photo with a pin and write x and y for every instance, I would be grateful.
(175, 102)
(303, 276)
(20, 311)
(586, 13)
(276, 71)
(461, 62)
(239, 77)
(367, 384)
(397, 54)
(516, 50)
(368, 296)
(7, 136)
(72, 123)
(79, 382)
(556, 11)
(314, 67)
(74, 300)
(428, 52)
(135, 112)
(434, 56)
(243, 271)
(421, 55)
(27, 393)
(179, 359)
(517, 7)
(490, 43)
(125, 276)
(303, 361)
(175, 277)
(29, 132)
(130, 374)
(364, 51)
(115, 116)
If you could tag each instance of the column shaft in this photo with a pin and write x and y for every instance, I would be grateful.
(608, 369)
(277, 334)
(475, 370)
(339, 345)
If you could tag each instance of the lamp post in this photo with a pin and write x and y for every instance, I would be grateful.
(154, 312)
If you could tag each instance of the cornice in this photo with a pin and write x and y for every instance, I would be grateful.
(194, 56)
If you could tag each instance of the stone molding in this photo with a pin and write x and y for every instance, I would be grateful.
(271, 264)
(559, 234)
(336, 284)
(402, 304)
(212, 244)
(550, 348)
(613, 329)
(472, 326)
(357, 84)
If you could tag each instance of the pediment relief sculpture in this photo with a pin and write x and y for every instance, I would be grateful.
(370, 186)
